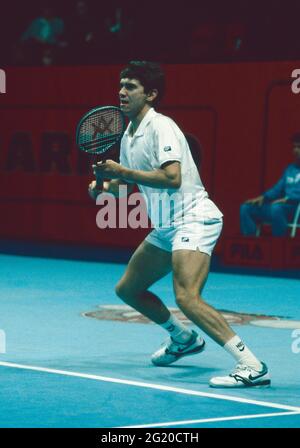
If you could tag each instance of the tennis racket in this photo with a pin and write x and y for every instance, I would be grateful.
(99, 130)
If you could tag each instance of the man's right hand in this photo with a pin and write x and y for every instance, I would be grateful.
(95, 190)
(109, 186)
(256, 201)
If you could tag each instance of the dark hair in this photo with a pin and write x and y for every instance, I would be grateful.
(150, 75)
(296, 137)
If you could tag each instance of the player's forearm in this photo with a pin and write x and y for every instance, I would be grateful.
(156, 179)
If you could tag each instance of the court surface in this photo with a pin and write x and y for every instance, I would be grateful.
(62, 368)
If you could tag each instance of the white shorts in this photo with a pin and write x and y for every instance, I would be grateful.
(201, 235)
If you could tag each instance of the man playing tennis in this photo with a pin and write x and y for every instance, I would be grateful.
(155, 155)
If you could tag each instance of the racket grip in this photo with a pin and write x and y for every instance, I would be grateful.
(99, 184)
(99, 179)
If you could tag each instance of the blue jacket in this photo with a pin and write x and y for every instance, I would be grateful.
(288, 185)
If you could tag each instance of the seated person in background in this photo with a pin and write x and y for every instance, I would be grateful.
(278, 204)
(45, 29)
(42, 36)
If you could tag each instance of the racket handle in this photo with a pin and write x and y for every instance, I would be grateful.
(99, 187)
(99, 184)
(99, 180)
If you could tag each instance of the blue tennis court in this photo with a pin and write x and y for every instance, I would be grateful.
(74, 356)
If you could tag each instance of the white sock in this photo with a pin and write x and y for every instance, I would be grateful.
(241, 353)
(178, 331)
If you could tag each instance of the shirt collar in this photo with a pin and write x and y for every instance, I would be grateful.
(145, 121)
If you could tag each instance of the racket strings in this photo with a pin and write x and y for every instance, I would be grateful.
(100, 130)
(108, 124)
(86, 136)
(101, 141)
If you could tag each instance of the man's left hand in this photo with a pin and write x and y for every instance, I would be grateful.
(108, 169)
(280, 201)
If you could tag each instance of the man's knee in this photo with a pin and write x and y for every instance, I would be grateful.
(186, 297)
(122, 290)
(245, 209)
(125, 292)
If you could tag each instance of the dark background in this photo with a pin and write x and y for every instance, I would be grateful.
(228, 67)
(168, 31)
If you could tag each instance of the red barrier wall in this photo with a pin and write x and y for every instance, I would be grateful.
(242, 114)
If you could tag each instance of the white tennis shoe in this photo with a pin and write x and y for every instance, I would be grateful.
(171, 350)
(243, 376)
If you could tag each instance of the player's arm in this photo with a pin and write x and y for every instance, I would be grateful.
(167, 176)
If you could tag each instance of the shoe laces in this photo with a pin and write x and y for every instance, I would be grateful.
(241, 368)
(168, 342)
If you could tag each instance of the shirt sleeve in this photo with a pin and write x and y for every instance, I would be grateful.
(277, 191)
(167, 145)
(292, 189)
(123, 158)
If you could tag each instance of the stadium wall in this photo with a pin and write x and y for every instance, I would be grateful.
(241, 114)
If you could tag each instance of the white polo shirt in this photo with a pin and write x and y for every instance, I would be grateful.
(156, 141)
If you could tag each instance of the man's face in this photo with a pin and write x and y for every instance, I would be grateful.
(132, 97)
(296, 147)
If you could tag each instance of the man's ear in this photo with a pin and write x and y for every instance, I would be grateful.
(152, 95)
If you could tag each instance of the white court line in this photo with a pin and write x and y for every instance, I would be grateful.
(151, 386)
(209, 420)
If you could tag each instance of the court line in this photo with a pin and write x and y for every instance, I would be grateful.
(160, 387)
(210, 420)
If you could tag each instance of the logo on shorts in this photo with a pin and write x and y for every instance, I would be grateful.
(185, 239)
(167, 148)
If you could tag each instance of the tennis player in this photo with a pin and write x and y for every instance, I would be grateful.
(155, 155)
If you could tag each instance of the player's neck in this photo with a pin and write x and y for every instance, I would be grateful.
(135, 121)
